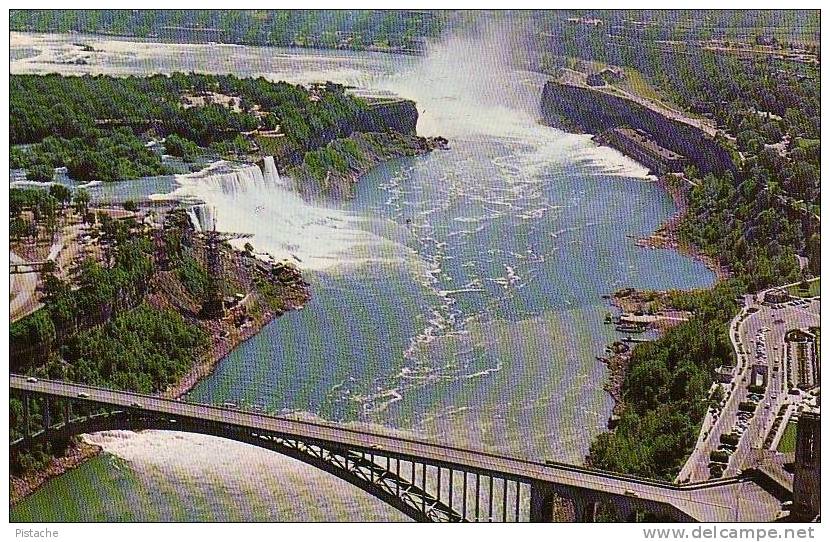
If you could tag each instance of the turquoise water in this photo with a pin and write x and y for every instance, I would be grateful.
(475, 319)
(458, 297)
(482, 324)
(144, 479)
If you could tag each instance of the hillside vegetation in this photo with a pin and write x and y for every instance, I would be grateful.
(99, 126)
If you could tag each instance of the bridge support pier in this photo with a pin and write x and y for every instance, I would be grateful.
(626, 510)
(585, 510)
(541, 502)
(27, 429)
(47, 414)
(367, 463)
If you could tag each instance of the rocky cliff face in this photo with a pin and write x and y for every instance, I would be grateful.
(398, 115)
(595, 112)
(334, 170)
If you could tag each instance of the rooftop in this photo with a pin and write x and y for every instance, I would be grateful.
(645, 141)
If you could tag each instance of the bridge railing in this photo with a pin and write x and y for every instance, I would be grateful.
(18, 383)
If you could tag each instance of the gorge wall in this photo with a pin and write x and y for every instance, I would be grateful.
(398, 115)
(385, 115)
(334, 170)
(595, 112)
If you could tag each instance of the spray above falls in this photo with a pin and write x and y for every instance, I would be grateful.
(247, 198)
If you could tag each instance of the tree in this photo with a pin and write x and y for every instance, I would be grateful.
(716, 397)
(813, 253)
(81, 200)
(40, 173)
(130, 205)
(182, 147)
(61, 193)
(20, 228)
(691, 172)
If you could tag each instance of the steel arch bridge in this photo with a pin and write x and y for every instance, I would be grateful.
(424, 480)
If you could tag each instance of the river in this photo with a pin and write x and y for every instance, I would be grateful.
(457, 297)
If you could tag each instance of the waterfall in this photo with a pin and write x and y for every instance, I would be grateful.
(272, 176)
(201, 217)
(232, 178)
(247, 198)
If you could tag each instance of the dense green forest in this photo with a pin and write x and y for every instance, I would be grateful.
(757, 220)
(100, 292)
(98, 126)
(353, 29)
(666, 388)
(754, 222)
(141, 349)
(324, 170)
(98, 330)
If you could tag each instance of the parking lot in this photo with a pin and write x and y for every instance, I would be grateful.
(756, 392)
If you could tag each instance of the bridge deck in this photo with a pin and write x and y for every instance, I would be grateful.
(706, 501)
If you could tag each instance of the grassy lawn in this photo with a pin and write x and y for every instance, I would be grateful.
(813, 290)
(804, 143)
(787, 442)
(637, 83)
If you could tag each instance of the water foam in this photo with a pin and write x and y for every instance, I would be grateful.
(245, 482)
(468, 86)
(242, 198)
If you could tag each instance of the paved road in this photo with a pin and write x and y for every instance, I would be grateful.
(23, 287)
(710, 501)
(757, 335)
(777, 322)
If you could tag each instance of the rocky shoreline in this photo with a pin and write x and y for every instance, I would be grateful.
(355, 156)
(617, 362)
(76, 454)
(80, 450)
(630, 300)
(666, 236)
(225, 334)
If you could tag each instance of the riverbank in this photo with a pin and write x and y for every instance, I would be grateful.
(640, 302)
(630, 300)
(650, 310)
(617, 361)
(666, 236)
(334, 170)
(264, 290)
(228, 333)
(224, 336)
(647, 429)
(76, 454)
(268, 290)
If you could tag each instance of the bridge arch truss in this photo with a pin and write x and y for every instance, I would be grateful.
(426, 481)
(425, 491)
